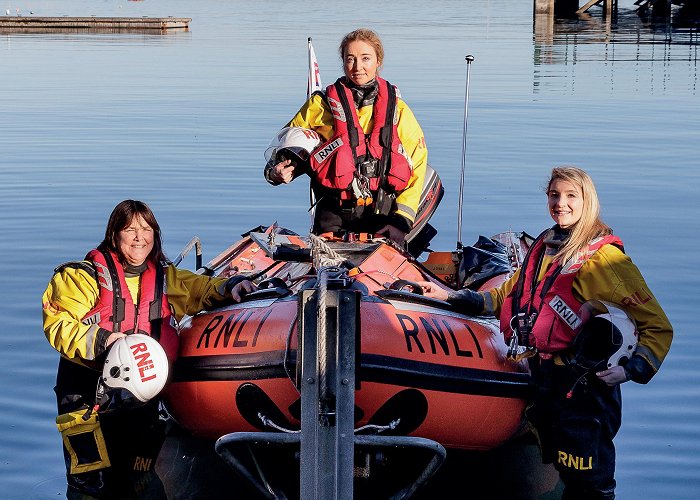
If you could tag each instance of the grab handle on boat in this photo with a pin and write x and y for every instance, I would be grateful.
(273, 282)
(197, 244)
(404, 284)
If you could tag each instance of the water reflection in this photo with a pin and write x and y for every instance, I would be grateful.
(630, 36)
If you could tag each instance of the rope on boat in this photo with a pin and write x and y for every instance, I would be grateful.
(323, 255)
(270, 423)
(322, 285)
(379, 428)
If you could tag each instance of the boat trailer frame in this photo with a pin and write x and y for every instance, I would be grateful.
(329, 326)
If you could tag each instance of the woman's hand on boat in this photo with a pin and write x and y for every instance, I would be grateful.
(431, 290)
(241, 288)
(282, 173)
(613, 376)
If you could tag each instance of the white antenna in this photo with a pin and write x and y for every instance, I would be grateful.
(469, 60)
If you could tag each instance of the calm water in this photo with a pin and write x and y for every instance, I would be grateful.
(181, 120)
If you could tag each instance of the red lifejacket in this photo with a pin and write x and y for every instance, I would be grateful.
(551, 302)
(335, 163)
(115, 309)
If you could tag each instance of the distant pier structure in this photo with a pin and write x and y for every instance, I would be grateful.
(11, 23)
(564, 7)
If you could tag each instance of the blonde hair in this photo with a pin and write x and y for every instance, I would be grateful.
(363, 35)
(589, 226)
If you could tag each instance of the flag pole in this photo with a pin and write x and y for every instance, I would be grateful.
(310, 75)
(310, 88)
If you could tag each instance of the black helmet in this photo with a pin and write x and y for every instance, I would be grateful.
(608, 338)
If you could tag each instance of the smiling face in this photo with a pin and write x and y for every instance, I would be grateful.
(565, 201)
(360, 62)
(135, 241)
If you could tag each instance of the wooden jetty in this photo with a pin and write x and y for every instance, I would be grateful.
(659, 7)
(94, 23)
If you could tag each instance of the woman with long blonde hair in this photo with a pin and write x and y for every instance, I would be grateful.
(573, 310)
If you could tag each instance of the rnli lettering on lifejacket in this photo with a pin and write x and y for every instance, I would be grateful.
(143, 361)
(325, 153)
(219, 331)
(565, 312)
(438, 333)
(573, 462)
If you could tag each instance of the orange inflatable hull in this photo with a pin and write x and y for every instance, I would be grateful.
(439, 374)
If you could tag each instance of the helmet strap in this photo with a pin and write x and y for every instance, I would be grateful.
(99, 393)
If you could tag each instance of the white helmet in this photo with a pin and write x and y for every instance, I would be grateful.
(292, 143)
(136, 367)
(608, 338)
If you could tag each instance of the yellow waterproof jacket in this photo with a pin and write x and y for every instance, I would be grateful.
(73, 292)
(315, 114)
(611, 276)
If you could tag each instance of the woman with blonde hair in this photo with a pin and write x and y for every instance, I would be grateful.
(361, 145)
(573, 310)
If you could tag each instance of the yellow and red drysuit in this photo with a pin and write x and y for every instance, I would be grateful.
(575, 414)
(109, 452)
(317, 115)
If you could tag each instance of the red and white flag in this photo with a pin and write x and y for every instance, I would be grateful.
(314, 82)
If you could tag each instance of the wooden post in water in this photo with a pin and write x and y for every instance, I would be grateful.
(551, 7)
(544, 7)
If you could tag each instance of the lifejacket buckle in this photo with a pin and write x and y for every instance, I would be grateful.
(522, 329)
(519, 352)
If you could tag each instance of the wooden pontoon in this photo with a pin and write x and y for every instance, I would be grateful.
(110, 23)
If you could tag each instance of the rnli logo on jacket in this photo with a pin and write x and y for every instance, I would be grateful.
(325, 153)
(565, 312)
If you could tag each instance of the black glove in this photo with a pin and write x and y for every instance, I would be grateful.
(638, 370)
(466, 300)
(400, 222)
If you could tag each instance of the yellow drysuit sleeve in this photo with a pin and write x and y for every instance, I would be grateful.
(73, 292)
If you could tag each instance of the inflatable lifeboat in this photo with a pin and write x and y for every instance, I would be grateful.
(416, 367)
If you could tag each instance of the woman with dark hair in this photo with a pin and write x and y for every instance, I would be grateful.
(550, 312)
(361, 145)
(124, 286)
